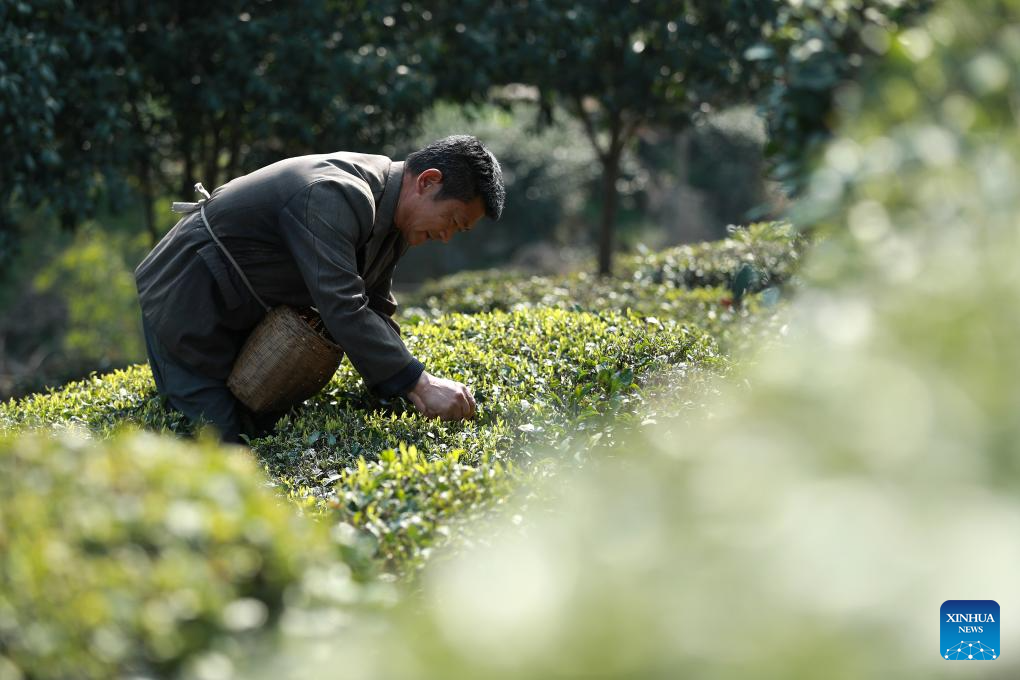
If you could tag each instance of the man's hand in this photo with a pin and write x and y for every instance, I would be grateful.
(447, 399)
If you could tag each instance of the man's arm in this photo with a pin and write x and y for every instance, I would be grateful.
(381, 300)
(431, 395)
(320, 226)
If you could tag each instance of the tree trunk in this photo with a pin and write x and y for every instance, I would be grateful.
(610, 199)
(68, 221)
(620, 131)
(8, 241)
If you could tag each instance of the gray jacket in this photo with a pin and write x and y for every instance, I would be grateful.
(307, 231)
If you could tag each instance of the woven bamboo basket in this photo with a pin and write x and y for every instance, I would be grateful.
(283, 362)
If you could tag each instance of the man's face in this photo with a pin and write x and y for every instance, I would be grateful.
(429, 219)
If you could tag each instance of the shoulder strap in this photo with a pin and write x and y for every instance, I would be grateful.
(183, 207)
(226, 252)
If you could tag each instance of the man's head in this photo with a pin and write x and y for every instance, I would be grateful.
(447, 187)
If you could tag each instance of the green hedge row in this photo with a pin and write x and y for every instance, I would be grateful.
(753, 258)
(407, 505)
(499, 290)
(734, 325)
(730, 287)
(543, 378)
(759, 256)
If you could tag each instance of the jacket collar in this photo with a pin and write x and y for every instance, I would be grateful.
(387, 207)
(383, 230)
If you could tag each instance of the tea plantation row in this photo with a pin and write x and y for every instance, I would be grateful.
(543, 378)
(762, 255)
(130, 554)
(729, 288)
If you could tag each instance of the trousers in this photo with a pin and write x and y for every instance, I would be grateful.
(202, 399)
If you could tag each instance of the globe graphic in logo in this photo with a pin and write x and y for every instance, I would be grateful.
(970, 650)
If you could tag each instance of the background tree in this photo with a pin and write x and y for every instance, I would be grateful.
(615, 66)
(61, 88)
(249, 83)
(156, 96)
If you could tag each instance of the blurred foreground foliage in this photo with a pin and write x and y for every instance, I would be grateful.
(133, 555)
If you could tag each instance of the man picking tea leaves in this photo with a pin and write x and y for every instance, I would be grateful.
(322, 231)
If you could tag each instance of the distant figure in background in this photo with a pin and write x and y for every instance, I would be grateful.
(322, 230)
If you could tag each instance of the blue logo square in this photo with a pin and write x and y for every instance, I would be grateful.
(970, 630)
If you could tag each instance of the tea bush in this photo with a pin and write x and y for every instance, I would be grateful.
(499, 290)
(406, 501)
(736, 326)
(100, 404)
(539, 377)
(753, 258)
(525, 368)
(133, 555)
(732, 288)
(771, 249)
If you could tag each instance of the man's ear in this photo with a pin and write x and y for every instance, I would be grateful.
(428, 178)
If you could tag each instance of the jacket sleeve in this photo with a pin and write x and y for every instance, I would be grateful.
(320, 226)
(380, 299)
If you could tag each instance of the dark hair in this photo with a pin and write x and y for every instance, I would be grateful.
(469, 170)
